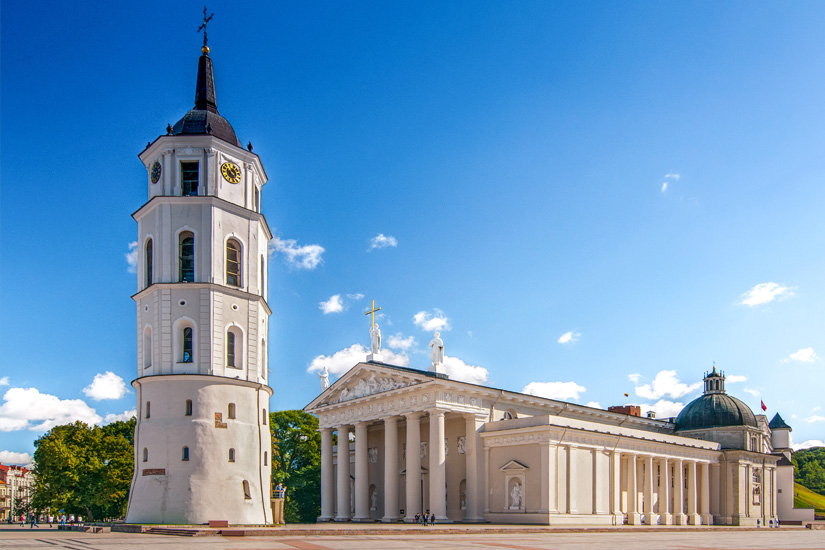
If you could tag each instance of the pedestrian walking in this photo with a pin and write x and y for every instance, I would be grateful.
(432, 519)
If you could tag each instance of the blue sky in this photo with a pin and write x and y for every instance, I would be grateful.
(587, 198)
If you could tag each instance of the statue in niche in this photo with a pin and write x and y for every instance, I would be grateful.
(372, 455)
(462, 445)
(446, 446)
(423, 449)
(375, 339)
(374, 499)
(436, 349)
(515, 496)
(324, 376)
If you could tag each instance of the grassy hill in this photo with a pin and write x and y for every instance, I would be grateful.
(805, 498)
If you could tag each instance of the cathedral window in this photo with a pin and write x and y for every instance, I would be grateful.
(187, 345)
(189, 179)
(257, 200)
(185, 455)
(231, 455)
(188, 407)
(247, 494)
(263, 278)
(234, 348)
(263, 417)
(186, 257)
(145, 454)
(149, 262)
(266, 459)
(148, 409)
(233, 263)
(231, 412)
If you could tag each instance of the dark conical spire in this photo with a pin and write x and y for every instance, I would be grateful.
(205, 99)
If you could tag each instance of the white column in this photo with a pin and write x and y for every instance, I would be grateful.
(342, 510)
(471, 457)
(598, 505)
(390, 469)
(704, 499)
(572, 505)
(633, 517)
(327, 478)
(664, 492)
(438, 463)
(362, 486)
(693, 517)
(413, 480)
(648, 489)
(679, 517)
(616, 487)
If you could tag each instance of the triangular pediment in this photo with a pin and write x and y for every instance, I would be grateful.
(514, 465)
(366, 379)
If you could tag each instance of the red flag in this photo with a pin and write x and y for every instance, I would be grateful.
(764, 408)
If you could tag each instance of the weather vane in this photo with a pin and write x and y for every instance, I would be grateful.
(203, 27)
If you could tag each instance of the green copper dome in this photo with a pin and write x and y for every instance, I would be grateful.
(715, 410)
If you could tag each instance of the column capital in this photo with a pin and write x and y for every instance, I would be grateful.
(363, 423)
(437, 412)
(414, 415)
(391, 419)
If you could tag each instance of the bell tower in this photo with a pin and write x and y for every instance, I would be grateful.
(202, 440)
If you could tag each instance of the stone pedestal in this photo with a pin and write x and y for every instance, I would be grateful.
(277, 505)
(375, 358)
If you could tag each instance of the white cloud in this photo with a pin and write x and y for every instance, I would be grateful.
(132, 257)
(554, 390)
(568, 337)
(734, 378)
(306, 256)
(28, 409)
(815, 418)
(665, 384)
(341, 361)
(432, 321)
(398, 341)
(764, 293)
(21, 459)
(752, 391)
(672, 176)
(805, 355)
(808, 444)
(106, 386)
(817, 408)
(459, 370)
(664, 187)
(663, 408)
(122, 417)
(4, 381)
(635, 377)
(382, 241)
(357, 296)
(594, 404)
(333, 305)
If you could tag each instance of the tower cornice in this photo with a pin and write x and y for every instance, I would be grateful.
(212, 200)
(210, 286)
(162, 143)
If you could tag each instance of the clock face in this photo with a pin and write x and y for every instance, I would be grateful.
(156, 170)
(231, 172)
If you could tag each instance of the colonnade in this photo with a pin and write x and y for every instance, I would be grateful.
(687, 503)
(338, 509)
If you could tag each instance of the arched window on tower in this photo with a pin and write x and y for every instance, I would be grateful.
(230, 413)
(147, 347)
(188, 407)
(230, 349)
(233, 263)
(186, 257)
(149, 262)
(187, 345)
(247, 494)
(234, 348)
(145, 454)
(231, 455)
(263, 278)
(185, 454)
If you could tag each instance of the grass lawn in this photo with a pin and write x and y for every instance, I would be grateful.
(805, 498)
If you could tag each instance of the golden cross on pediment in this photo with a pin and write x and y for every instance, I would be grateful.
(372, 312)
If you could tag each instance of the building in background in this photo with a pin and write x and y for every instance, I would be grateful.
(16, 486)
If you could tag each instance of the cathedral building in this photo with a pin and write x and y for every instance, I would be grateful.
(202, 438)
(470, 453)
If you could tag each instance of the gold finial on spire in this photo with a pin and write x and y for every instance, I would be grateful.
(206, 20)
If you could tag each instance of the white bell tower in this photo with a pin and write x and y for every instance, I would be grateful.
(202, 440)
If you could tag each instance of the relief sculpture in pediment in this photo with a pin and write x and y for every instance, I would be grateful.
(370, 386)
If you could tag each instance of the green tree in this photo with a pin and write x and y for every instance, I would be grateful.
(84, 470)
(296, 462)
(810, 468)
